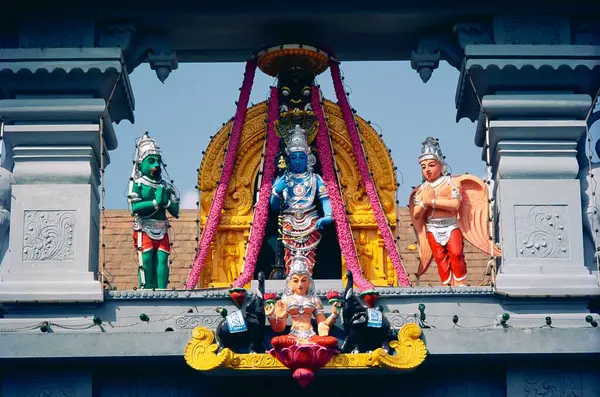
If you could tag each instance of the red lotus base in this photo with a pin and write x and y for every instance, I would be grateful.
(303, 358)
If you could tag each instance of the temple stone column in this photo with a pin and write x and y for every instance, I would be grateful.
(56, 98)
(531, 92)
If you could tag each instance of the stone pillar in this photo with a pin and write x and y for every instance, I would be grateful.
(535, 90)
(52, 135)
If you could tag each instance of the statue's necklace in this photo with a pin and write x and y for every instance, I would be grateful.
(300, 183)
(149, 182)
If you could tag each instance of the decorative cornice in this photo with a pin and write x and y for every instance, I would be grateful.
(58, 70)
(493, 68)
(214, 294)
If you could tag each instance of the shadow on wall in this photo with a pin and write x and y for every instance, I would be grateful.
(6, 181)
(588, 177)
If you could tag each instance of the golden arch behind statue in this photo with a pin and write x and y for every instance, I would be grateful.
(237, 211)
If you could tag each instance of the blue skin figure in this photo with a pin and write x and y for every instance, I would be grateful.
(295, 193)
(298, 164)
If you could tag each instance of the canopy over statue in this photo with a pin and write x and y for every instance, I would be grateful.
(312, 171)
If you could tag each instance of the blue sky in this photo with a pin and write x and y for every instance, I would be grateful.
(196, 99)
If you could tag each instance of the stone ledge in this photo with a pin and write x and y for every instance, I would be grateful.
(472, 342)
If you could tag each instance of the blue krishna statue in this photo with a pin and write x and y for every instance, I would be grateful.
(294, 193)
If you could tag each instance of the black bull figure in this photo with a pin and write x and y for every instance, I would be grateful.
(359, 336)
(251, 340)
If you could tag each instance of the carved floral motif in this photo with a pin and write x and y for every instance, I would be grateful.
(542, 231)
(47, 389)
(567, 385)
(193, 321)
(48, 236)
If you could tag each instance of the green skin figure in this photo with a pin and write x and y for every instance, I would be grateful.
(152, 198)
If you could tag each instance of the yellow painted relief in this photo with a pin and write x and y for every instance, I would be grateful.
(410, 352)
(226, 260)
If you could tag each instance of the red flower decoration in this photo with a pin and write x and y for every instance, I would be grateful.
(363, 168)
(342, 226)
(261, 212)
(270, 297)
(214, 216)
(333, 296)
(370, 298)
(237, 295)
(303, 359)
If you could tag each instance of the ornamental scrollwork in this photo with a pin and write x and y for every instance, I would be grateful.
(553, 385)
(191, 322)
(47, 389)
(542, 231)
(409, 352)
(397, 321)
(48, 236)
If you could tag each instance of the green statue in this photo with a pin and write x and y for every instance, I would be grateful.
(150, 198)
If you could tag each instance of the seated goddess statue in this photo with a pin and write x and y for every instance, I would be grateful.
(300, 302)
(295, 192)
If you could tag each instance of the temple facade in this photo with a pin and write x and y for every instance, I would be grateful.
(74, 321)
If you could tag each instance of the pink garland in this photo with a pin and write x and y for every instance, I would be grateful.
(261, 212)
(214, 216)
(342, 227)
(363, 168)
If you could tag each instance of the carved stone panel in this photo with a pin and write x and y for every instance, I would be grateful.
(532, 30)
(48, 236)
(553, 385)
(47, 389)
(72, 34)
(542, 231)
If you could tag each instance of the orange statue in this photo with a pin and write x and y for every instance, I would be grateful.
(444, 209)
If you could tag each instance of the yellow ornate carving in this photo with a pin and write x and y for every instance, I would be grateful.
(201, 351)
(410, 352)
(238, 207)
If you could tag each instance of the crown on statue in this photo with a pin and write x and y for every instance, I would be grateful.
(431, 151)
(145, 147)
(299, 265)
(298, 141)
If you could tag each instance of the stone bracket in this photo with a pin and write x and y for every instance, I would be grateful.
(139, 46)
(431, 50)
(163, 64)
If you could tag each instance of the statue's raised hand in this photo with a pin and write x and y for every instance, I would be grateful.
(161, 196)
(336, 308)
(280, 309)
(279, 185)
(427, 195)
(269, 310)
